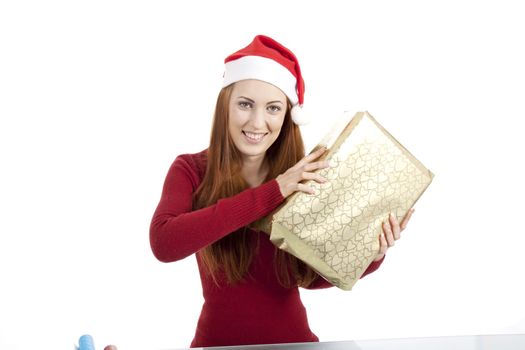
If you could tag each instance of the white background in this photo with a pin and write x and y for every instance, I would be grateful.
(97, 99)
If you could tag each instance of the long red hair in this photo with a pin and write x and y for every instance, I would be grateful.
(233, 253)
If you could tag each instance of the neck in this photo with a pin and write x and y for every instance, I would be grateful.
(254, 170)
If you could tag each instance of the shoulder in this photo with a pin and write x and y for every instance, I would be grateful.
(195, 161)
(191, 164)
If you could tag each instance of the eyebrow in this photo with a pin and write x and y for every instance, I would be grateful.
(252, 101)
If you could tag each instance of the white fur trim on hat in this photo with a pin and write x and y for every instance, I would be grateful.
(262, 68)
(299, 117)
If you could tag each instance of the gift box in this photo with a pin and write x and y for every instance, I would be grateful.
(336, 231)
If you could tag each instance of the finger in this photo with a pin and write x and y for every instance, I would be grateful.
(318, 152)
(316, 165)
(311, 157)
(305, 188)
(406, 218)
(110, 347)
(395, 226)
(389, 236)
(383, 244)
(313, 176)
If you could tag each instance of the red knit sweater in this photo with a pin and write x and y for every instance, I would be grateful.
(258, 310)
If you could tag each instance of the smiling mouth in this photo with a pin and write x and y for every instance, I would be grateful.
(255, 137)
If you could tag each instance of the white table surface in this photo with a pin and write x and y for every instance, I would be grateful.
(471, 342)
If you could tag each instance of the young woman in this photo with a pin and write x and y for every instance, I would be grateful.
(211, 200)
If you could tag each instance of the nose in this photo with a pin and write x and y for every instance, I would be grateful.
(258, 118)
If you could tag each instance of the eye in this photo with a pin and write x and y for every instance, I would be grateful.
(274, 108)
(245, 104)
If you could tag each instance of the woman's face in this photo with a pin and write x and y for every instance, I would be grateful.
(257, 110)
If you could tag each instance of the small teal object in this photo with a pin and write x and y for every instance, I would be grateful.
(86, 343)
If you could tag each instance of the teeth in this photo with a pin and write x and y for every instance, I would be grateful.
(253, 136)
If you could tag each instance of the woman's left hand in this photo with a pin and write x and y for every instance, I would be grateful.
(391, 232)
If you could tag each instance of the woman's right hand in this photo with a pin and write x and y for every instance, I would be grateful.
(290, 181)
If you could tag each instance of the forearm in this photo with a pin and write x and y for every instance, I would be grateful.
(175, 235)
(321, 283)
(372, 267)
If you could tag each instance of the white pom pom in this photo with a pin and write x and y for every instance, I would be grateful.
(298, 115)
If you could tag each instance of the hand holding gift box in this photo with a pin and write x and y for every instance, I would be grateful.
(336, 231)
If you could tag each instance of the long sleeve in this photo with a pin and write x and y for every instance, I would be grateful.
(177, 232)
(373, 266)
(321, 283)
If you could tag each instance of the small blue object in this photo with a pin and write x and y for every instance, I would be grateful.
(86, 343)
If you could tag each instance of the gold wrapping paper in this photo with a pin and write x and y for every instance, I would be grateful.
(336, 231)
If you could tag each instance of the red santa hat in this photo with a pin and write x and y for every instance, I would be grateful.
(267, 60)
